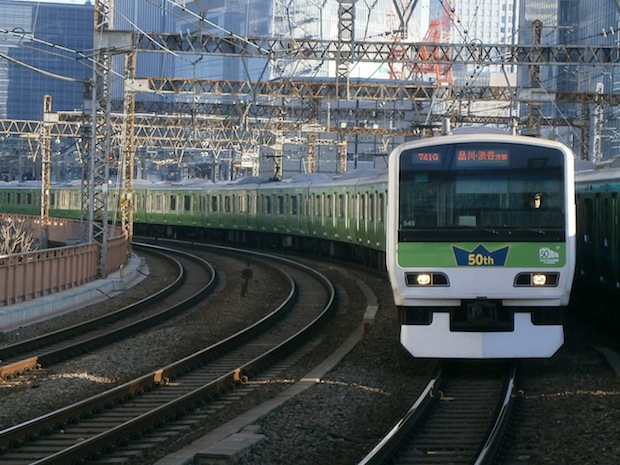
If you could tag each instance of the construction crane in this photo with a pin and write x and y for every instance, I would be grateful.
(435, 64)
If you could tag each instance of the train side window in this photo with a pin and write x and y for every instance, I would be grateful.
(317, 205)
(341, 206)
(227, 204)
(280, 205)
(249, 204)
(173, 202)
(241, 203)
(371, 207)
(267, 204)
(158, 202)
(329, 207)
(362, 215)
(294, 205)
(187, 203)
(52, 199)
(213, 204)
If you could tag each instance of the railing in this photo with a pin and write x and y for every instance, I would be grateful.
(26, 276)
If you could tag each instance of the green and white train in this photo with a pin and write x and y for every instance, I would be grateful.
(481, 244)
(476, 271)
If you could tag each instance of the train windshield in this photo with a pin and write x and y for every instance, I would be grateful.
(481, 191)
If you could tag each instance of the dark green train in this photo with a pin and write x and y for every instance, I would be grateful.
(598, 237)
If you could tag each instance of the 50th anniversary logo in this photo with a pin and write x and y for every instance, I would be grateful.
(481, 256)
(508, 255)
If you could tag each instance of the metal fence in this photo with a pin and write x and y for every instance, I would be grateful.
(26, 276)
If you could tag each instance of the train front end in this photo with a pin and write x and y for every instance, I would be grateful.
(481, 245)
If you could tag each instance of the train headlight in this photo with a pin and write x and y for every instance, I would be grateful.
(537, 279)
(425, 279)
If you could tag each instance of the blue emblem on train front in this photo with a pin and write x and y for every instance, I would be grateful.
(480, 256)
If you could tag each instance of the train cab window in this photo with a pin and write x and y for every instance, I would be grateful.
(172, 202)
(187, 203)
(462, 190)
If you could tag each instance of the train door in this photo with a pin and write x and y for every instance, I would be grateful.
(607, 239)
(350, 223)
(380, 220)
(293, 212)
(342, 217)
(587, 238)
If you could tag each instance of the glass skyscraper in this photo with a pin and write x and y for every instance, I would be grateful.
(30, 69)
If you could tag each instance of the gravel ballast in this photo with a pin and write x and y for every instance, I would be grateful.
(570, 413)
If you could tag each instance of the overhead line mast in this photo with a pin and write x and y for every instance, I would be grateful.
(98, 115)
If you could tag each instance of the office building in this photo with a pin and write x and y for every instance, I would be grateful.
(29, 68)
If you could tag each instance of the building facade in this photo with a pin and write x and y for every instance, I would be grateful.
(30, 69)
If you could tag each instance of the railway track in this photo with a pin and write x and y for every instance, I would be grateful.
(168, 401)
(460, 417)
(195, 280)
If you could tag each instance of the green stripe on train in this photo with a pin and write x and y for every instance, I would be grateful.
(476, 254)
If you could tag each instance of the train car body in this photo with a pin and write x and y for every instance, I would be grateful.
(462, 223)
(481, 245)
(598, 238)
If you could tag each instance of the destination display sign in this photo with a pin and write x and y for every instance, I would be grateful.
(482, 157)
(474, 156)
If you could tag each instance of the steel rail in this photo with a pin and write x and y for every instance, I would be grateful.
(401, 433)
(384, 449)
(104, 442)
(46, 358)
